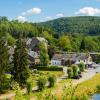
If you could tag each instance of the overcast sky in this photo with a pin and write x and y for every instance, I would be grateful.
(42, 10)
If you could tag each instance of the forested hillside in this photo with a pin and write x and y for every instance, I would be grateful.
(78, 33)
(84, 24)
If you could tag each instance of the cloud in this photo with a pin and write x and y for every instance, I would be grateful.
(88, 11)
(21, 19)
(48, 18)
(60, 15)
(32, 11)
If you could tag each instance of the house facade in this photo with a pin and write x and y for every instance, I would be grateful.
(33, 50)
(65, 59)
(33, 58)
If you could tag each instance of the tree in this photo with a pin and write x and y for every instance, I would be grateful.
(41, 83)
(52, 80)
(11, 40)
(82, 66)
(75, 71)
(21, 68)
(64, 43)
(44, 58)
(48, 36)
(70, 72)
(4, 60)
(82, 46)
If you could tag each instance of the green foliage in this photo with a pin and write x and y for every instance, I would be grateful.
(20, 70)
(29, 84)
(48, 37)
(48, 68)
(69, 92)
(75, 71)
(98, 88)
(82, 66)
(47, 95)
(41, 83)
(18, 92)
(96, 58)
(70, 72)
(52, 80)
(4, 62)
(11, 41)
(64, 43)
(68, 34)
(81, 24)
(44, 58)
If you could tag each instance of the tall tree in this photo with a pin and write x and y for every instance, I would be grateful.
(82, 46)
(21, 68)
(4, 59)
(44, 58)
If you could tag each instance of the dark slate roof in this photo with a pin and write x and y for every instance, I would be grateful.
(72, 57)
(33, 54)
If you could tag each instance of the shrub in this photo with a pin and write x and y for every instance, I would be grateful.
(70, 72)
(29, 84)
(51, 80)
(41, 83)
(98, 88)
(75, 71)
(17, 89)
(5, 85)
(46, 68)
(82, 67)
(81, 97)
(29, 88)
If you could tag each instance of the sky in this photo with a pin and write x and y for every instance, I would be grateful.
(43, 10)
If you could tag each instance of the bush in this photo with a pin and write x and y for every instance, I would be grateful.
(47, 68)
(29, 88)
(82, 67)
(17, 89)
(41, 83)
(98, 88)
(52, 80)
(50, 68)
(5, 85)
(75, 71)
(70, 72)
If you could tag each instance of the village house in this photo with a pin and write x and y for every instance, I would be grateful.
(33, 43)
(65, 59)
(33, 55)
(33, 50)
(33, 58)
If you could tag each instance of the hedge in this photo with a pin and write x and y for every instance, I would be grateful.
(50, 68)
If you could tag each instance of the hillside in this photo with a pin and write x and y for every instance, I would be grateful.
(82, 24)
(50, 31)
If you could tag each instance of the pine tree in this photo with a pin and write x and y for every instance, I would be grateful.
(4, 59)
(82, 46)
(21, 68)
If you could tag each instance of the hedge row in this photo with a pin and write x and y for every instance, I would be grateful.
(43, 68)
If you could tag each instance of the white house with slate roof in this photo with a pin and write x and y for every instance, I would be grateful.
(63, 59)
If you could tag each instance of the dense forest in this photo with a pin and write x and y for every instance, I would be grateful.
(76, 34)
(81, 24)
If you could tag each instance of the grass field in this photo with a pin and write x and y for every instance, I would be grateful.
(89, 86)
(85, 88)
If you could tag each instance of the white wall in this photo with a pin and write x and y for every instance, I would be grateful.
(56, 62)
